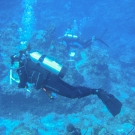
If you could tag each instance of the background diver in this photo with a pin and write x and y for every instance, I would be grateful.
(72, 38)
(47, 75)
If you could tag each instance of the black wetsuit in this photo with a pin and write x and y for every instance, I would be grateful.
(76, 42)
(42, 78)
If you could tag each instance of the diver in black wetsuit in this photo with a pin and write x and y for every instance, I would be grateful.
(74, 41)
(47, 74)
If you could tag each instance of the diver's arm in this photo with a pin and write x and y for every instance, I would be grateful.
(14, 58)
(22, 76)
(21, 70)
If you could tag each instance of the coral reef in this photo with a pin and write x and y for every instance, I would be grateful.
(21, 129)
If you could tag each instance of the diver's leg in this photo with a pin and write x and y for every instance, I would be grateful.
(87, 43)
(81, 91)
(55, 84)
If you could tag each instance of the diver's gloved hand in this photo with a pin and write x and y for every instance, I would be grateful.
(112, 104)
(14, 58)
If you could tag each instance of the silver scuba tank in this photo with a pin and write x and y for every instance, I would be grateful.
(48, 64)
(70, 36)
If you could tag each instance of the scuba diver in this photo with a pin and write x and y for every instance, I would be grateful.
(46, 74)
(72, 38)
(74, 41)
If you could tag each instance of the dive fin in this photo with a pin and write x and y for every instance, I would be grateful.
(112, 104)
(103, 33)
(100, 40)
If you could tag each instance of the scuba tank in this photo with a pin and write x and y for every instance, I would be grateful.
(70, 36)
(48, 64)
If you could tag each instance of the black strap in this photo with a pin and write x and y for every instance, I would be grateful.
(42, 58)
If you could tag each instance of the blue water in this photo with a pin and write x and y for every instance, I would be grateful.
(42, 22)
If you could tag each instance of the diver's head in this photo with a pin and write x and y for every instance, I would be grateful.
(25, 46)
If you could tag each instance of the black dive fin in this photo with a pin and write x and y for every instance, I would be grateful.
(112, 104)
(100, 40)
(103, 33)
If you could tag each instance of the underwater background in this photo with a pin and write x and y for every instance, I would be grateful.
(42, 22)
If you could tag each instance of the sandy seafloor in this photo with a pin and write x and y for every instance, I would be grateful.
(42, 22)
